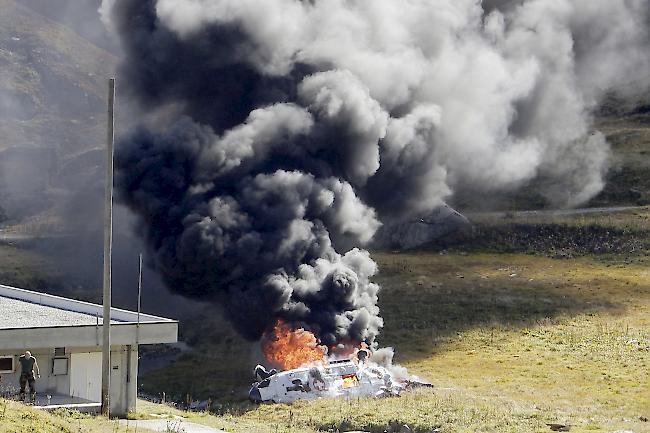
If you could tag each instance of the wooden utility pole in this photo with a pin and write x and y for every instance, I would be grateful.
(108, 250)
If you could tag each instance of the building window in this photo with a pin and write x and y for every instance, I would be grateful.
(59, 362)
(6, 364)
(59, 366)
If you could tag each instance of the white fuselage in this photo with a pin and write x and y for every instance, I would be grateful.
(338, 378)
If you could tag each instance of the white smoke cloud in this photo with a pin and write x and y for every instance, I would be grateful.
(105, 13)
(251, 142)
(514, 81)
(341, 101)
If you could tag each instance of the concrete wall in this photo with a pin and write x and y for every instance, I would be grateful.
(124, 370)
(124, 380)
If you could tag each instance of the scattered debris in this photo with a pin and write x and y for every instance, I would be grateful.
(559, 427)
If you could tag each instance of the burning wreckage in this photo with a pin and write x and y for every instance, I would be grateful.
(308, 373)
(342, 378)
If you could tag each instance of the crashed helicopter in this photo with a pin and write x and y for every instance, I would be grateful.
(335, 378)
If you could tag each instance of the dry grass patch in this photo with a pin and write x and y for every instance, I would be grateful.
(569, 338)
(17, 418)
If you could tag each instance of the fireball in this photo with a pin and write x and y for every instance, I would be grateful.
(289, 348)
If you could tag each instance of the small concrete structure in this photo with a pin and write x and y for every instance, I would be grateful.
(65, 336)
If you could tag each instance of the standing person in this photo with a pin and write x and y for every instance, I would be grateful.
(27, 366)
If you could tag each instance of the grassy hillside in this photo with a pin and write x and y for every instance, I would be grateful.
(510, 343)
(511, 338)
(568, 339)
(18, 418)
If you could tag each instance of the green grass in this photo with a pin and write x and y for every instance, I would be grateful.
(570, 337)
(18, 418)
(421, 410)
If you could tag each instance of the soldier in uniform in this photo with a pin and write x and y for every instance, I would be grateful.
(27, 366)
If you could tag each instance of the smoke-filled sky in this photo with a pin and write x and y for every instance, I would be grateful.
(280, 134)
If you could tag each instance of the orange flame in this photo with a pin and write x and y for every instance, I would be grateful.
(350, 381)
(289, 348)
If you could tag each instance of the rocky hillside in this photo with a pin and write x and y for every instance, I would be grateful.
(52, 99)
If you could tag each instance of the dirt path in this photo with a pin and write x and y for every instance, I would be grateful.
(170, 425)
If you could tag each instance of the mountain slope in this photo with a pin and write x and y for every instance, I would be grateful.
(52, 99)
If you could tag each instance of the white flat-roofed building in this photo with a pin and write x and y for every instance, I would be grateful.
(65, 336)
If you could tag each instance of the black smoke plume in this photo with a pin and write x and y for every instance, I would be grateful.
(280, 134)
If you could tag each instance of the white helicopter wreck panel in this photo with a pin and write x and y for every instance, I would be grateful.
(337, 378)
